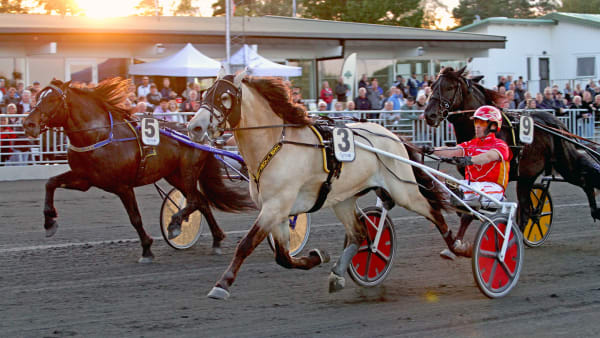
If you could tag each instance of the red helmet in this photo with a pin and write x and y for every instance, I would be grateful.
(488, 113)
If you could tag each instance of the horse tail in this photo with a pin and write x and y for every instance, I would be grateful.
(429, 188)
(220, 195)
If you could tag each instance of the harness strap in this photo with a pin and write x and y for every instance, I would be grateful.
(265, 161)
(102, 143)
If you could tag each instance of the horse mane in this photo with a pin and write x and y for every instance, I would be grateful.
(277, 93)
(110, 94)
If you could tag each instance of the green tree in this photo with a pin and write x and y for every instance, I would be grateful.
(256, 7)
(388, 12)
(185, 8)
(467, 10)
(12, 7)
(148, 8)
(581, 6)
(62, 7)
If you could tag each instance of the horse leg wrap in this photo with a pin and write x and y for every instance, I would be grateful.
(342, 264)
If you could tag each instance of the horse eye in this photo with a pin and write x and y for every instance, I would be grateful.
(226, 100)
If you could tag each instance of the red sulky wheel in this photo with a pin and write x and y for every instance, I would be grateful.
(370, 267)
(496, 277)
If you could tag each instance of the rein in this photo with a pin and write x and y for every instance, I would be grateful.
(101, 144)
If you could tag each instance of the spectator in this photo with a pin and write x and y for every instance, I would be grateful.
(322, 107)
(7, 136)
(584, 127)
(144, 88)
(519, 93)
(568, 91)
(538, 100)
(2, 87)
(421, 102)
(11, 109)
(549, 103)
(578, 90)
(140, 108)
(341, 91)
(351, 106)
(375, 94)
(559, 102)
(11, 97)
(521, 83)
(596, 107)
(395, 96)
(587, 101)
(20, 150)
(510, 100)
(173, 108)
(399, 81)
(188, 89)
(161, 108)
(413, 85)
(363, 83)
(132, 99)
(526, 97)
(427, 80)
(502, 82)
(509, 80)
(502, 90)
(531, 104)
(20, 88)
(24, 107)
(590, 88)
(153, 97)
(410, 104)
(361, 101)
(297, 96)
(189, 105)
(326, 94)
(388, 115)
(166, 88)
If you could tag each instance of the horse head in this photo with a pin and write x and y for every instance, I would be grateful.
(447, 95)
(50, 110)
(221, 105)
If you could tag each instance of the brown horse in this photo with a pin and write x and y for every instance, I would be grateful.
(453, 91)
(106, 153)
(283, 156)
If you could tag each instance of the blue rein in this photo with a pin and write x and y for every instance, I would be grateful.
(167, 132)
(102, 143)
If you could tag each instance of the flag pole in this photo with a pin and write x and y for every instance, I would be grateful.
(227, 35)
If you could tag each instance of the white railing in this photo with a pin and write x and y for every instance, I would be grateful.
(51, 147)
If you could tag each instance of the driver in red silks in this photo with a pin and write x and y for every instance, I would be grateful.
(487, 163)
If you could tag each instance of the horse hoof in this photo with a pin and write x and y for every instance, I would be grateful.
(336, 283)
(174, 233)
(218, 293)
(447, 254)
(52, 229)
(322, 254)
(462, 248)
(217, 251)
(145, 260)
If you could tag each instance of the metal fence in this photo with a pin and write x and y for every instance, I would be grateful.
(51, 147)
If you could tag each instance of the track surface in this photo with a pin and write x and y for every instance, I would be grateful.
(85, 281)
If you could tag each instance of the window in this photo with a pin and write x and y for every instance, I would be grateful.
(586, 66)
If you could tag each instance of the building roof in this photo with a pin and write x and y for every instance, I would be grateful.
(194, 28)
(548, 19)
(585, 19)
(505, 21)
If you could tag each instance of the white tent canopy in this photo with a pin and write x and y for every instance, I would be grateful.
(187, 62)
(259, 66)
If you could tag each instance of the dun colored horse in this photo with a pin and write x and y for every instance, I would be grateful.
(106, 153)
(453, 91)
(283, 156)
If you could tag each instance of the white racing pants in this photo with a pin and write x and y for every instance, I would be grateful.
(490, 188)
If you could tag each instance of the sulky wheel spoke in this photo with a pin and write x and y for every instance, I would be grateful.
(507, 270)
(549, 213)
(364, 247)
(488, 254)
(382, 256)
(368, 266)
(492, 273)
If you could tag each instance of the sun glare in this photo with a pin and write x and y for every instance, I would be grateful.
(107, 8)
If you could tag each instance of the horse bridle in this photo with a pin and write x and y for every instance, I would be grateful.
(445, 105)
(45, 117)
(212, 102)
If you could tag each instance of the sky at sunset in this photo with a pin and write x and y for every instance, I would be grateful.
(113, 8)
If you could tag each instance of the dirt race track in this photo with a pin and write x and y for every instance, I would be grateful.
(85, 281)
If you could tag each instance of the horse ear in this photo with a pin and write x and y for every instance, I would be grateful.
(221, 73)
(477, 78)
(56, 82)
(462, 70)
(237, 81)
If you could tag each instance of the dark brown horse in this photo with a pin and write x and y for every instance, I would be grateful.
(453, 91)
(106, 153)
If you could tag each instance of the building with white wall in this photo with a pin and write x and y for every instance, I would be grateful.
(552, 49)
